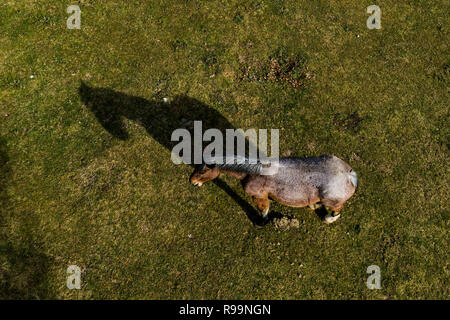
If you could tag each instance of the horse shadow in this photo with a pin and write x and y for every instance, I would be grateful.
(24, 265)
(159, 119)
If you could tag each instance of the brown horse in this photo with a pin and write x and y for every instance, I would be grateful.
(297, 182)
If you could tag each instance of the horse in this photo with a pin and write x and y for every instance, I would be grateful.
(296, 182)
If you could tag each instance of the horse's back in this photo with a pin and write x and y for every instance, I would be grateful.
(303, 181)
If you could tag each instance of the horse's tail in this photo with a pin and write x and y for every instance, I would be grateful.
(236, 163)
(353, 178)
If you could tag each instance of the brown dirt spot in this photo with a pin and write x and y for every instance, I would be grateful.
(350, 121)
(286, 223)
(281, 68)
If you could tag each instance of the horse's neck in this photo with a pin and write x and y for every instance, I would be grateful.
(239, 175)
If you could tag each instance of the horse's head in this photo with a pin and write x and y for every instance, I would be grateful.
(203, 173)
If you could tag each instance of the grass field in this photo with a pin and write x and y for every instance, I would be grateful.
(98, 190)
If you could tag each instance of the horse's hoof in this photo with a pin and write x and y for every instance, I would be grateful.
(329, 218)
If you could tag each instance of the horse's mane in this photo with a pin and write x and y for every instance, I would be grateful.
(236, 163)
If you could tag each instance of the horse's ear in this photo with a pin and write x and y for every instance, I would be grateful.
(201, 167)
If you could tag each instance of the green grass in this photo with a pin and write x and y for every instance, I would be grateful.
(73, 193)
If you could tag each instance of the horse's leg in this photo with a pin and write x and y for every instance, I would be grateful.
(335, 206)
(263, 205)
(315, 206)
